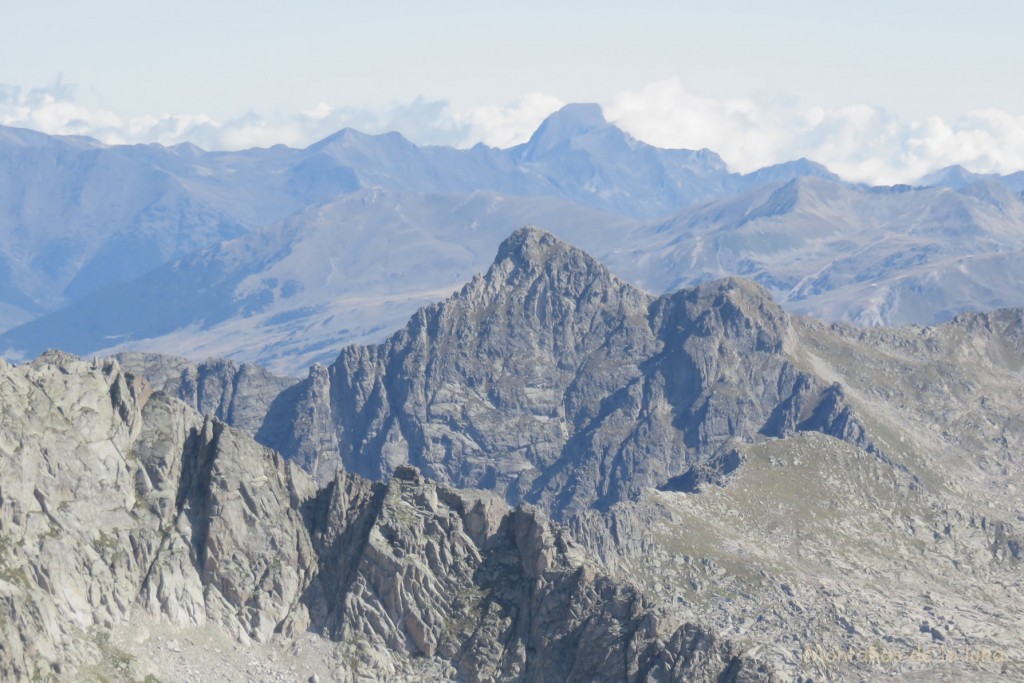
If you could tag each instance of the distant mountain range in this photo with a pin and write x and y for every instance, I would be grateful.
(885, 255)
(352, 269)
(282, 255)
(76, 214)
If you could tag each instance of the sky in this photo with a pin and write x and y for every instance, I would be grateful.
(878, 91)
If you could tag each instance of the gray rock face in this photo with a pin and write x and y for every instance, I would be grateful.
(550, 380)
(66, 489)
(116, 500)
(237, 394)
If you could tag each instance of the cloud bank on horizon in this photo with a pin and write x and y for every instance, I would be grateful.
(860, 142)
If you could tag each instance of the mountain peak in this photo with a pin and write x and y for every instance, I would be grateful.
(954, 177)
(532, 247)
(570, 121)
(788, 170)
(350, 137)
(581, 116)
(526, 240)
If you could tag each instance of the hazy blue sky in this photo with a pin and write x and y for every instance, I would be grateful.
(489, 68)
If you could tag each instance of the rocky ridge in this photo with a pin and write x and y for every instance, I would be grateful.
(125, 506)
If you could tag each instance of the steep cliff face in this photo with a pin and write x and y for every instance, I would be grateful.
(238, 394)
(66, 488)
(118, 502)
(550, 380)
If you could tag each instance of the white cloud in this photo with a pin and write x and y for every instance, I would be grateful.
(53, 110)
(319, 112)
(508, 125)
(984, 140)
(668, 115)
(860, 142)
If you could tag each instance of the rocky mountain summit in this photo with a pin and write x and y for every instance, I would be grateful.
(550, 380)
(125, 508)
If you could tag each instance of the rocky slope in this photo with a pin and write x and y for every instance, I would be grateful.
(836, 565)
(819, 551)
(841, 501)
(124, 507)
